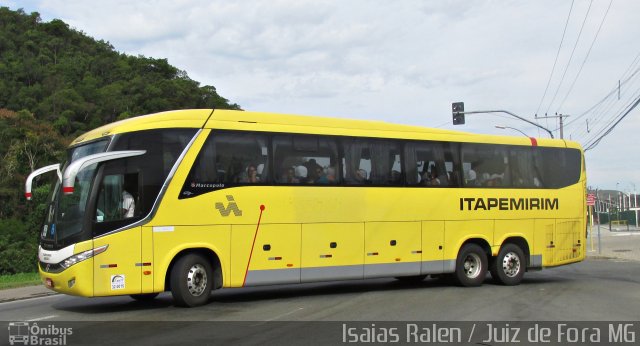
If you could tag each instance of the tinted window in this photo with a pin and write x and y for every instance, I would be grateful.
(128, 188)
(371, 161)
(305, 160)
(488, 165)
(485, 165)
(433, 164)
(228, 159)
(558, 167)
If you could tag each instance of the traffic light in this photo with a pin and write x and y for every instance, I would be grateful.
(457, 109)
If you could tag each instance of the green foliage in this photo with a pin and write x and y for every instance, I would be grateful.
(56, 83)
(53, 71)
(19, 280)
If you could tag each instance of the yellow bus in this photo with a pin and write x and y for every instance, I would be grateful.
(190, 201)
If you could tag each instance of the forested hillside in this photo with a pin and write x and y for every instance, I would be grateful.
(55, 83)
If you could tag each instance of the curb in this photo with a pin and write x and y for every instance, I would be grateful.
(36, 295)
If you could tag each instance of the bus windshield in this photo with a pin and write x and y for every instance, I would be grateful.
(65, 215)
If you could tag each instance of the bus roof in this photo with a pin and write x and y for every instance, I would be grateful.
(189, 118)
(274, 122)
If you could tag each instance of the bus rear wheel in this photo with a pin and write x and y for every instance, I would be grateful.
(471, 266)
(509, 267)
(191, 280)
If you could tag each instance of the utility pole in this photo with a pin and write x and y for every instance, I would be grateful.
(560, 116)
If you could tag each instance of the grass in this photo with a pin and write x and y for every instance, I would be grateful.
(19, 280)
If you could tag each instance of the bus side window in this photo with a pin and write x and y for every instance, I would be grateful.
(305, 159)
(118, 198)
(371, 161)
(228, 159)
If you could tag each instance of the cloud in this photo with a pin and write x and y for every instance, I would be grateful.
(402, 61)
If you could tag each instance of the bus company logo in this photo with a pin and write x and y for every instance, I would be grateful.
(232, 207)
(509, 204)
(117, 282)
(25, 333)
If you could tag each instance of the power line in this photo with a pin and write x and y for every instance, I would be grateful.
(556, 60)
(607, 97)
(594, 143)
(570, 57)
(614, 114)
(607, 101)
(601, 114)
(601, 121)
(586, 57)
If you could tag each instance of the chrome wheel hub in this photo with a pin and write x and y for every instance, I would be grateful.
(197, 280)
(472, 266)
(511, 264)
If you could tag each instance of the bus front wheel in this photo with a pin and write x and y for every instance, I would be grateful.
(471, 266)
(509, 267)
(191, 280)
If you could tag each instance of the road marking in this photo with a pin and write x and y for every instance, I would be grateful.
(42, 318)
(624, 234)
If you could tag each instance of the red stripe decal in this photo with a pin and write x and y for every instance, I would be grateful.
(534, 142)
(67, 189)
(28, 195)
(255, 235)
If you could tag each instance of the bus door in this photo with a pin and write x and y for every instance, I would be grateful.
(118, 270)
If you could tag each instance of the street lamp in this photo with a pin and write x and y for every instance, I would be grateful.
(511, 128)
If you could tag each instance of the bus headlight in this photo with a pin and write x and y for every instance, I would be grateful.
(77, 258)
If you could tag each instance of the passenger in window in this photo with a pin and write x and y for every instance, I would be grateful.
(251, 175)
(301, 173)
(329, 178)
(319, 176)
(361, 176)
(289, 176)
(472, 177)
(312, 167)
(430, 179)
(128, 205)
(494, 179)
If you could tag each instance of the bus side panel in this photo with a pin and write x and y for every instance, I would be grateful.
(519, 228)
(169, 241)
(392, 248)
(432, 247)
(332, 251)
(275, 258)
(544, 241)
(117, 271)
(568, 241)
(457, 232)
(147, 260)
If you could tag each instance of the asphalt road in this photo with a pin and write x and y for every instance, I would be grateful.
(594, 290)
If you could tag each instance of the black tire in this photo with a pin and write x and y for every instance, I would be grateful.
(191, 280)
(145, 297)
(414, 279)
(509, 266)
(471, 266)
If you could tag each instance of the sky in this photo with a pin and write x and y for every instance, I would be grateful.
(401, 61)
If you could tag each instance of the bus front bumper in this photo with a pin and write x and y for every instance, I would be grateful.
(76, 280)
